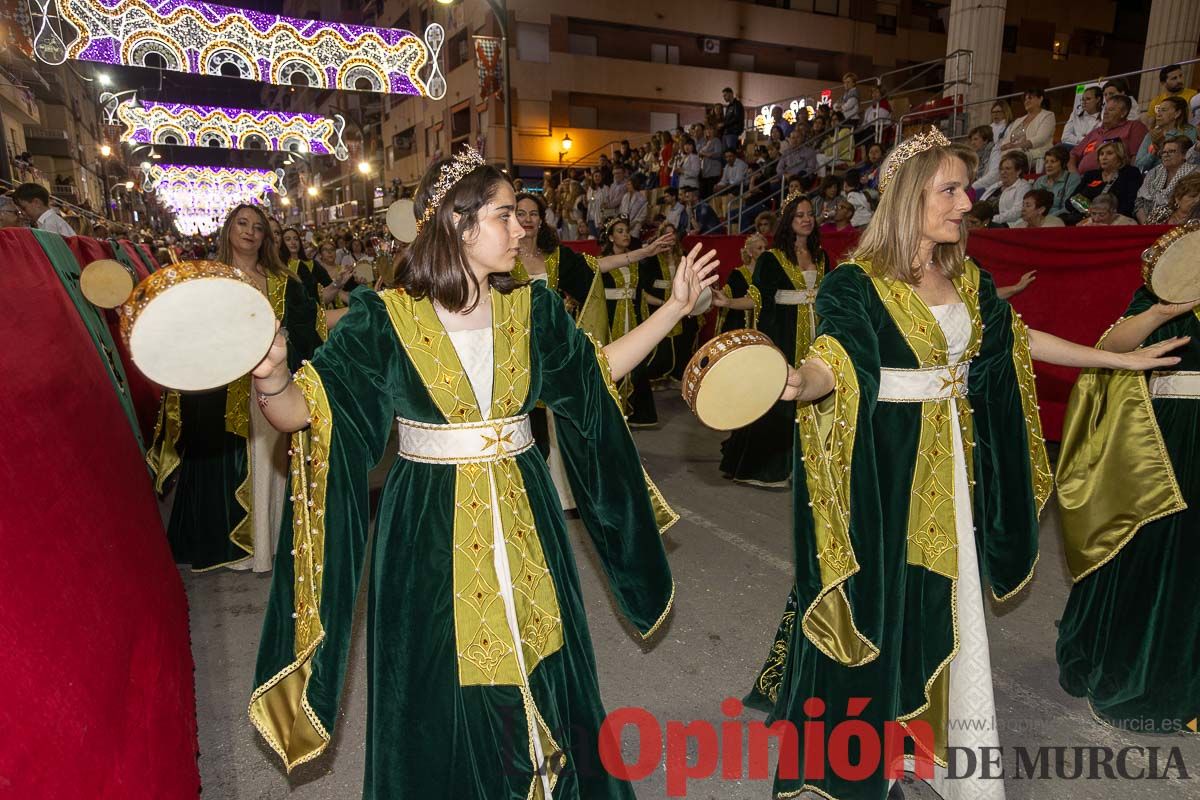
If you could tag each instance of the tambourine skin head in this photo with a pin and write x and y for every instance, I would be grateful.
(1171, 266)
(197, 325)
(107, 283)
(703, 303)
(734, 379)
(402, 220)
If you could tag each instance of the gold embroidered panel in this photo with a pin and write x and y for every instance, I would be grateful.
(806, 313)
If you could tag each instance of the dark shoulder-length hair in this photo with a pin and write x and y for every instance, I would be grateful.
(606, 240)
(268, 251)
(284, 255)
(547, 239)
(785, 237)
(435, 265)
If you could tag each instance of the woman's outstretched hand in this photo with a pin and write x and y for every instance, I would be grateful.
(1152, 357)
(695, 273)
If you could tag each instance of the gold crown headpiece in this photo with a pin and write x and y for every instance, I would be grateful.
(465, 162)
(612, 223)
(908, 148)
(792, 197)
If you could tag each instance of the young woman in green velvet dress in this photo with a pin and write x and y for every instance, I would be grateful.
(231, 464)
(737, 304)
(919, 477)
(481, 672)
(783, 289)
(1129, 499)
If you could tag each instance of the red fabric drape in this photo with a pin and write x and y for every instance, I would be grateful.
(142, 391)
(1086, 277)
(96, 687)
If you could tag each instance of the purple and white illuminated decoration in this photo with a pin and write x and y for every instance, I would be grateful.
(235, 128)
(207, 39)
(201, 197)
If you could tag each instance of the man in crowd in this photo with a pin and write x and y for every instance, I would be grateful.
(733, 175)
(848, 105)
(1170, 81)
(735, 119)
(1086, 119)
(614, 193)
(701, 219)
(1113, 125)
(800, 159)
(34, 202)
(710, 149)
(675, 211)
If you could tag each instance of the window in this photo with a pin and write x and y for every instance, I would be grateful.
(404, 142)
(741, 62)
(581, 45)
(582, 116)
(663, 121)
(885, 18)
(533, 42)
(1010, 39)
(457, 51)
(664, 54)
(460, 121)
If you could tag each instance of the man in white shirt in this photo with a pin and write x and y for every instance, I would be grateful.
(612, 195)
(734, 173)
(675, 211)
(34, 202)
(1086, 119)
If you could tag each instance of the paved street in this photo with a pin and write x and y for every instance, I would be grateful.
(731, 557)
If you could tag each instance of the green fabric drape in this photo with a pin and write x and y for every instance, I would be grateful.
(67, 269)
(430, 736)
(210, 519)
(898, 615)
(1129, 639)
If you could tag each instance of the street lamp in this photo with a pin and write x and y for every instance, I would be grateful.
(566, 147)
(500, 12)
(105, 150)
(313, 191)
(364, 169)
(129, 186)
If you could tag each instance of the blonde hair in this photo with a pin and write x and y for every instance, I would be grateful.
(746, 244)
(892, 238)
(1118, 148)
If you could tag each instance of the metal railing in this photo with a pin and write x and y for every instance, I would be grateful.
(556, 174)
(906, 118)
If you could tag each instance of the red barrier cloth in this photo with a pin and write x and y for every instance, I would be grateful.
(96, 671)
(1086, 277)
(139, 256)
(144, 394)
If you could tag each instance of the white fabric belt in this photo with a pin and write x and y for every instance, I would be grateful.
(921, 385)
(625, 293)
(465, 443)
(660, 284)
(1175, 384)
(792, 297)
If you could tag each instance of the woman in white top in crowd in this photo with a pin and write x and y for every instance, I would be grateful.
(1001, 119)
(688, 166)
(1033, 133)
(1083, 121)
(1012, 187)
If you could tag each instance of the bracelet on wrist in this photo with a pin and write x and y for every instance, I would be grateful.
(279, 391)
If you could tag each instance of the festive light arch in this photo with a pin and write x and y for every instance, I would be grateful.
(201, 197)
(209, 39)
(216, 126)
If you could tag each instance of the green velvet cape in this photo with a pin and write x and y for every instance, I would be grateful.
(445, 721)
(201, 437)
(1129, 640)
(761, 453)
(865, 621)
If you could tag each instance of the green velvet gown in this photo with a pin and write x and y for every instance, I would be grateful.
(1129, 492)
(313, 275)
(671, 355)
(871, 613)
(761, 453)
(737, 286)
(450, 712)
(203, 437)
(637, 398)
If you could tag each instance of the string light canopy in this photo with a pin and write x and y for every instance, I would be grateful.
(208, 39)
(237, 128)
(201, 197)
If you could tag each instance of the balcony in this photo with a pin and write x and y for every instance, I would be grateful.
(47, 142)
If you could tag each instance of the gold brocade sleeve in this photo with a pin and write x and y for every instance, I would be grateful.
(664, 515)
(163, 455)
(279, 708)
(827, 430)
(754, 294)
(1114, 474)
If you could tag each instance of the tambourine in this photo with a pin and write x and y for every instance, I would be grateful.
(1171, 266)
(197, 325)
(734, 379)
(402, 220)
(107, 283)
(703, 302)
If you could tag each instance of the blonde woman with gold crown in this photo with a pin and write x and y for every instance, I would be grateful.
(919, 478)
(482, 676)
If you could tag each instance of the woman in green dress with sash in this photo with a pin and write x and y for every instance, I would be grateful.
(784, 287)
(739, 309)
(1129, 499)
(231, 464)
(919, 478)
(654, 278)
(481, 671)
